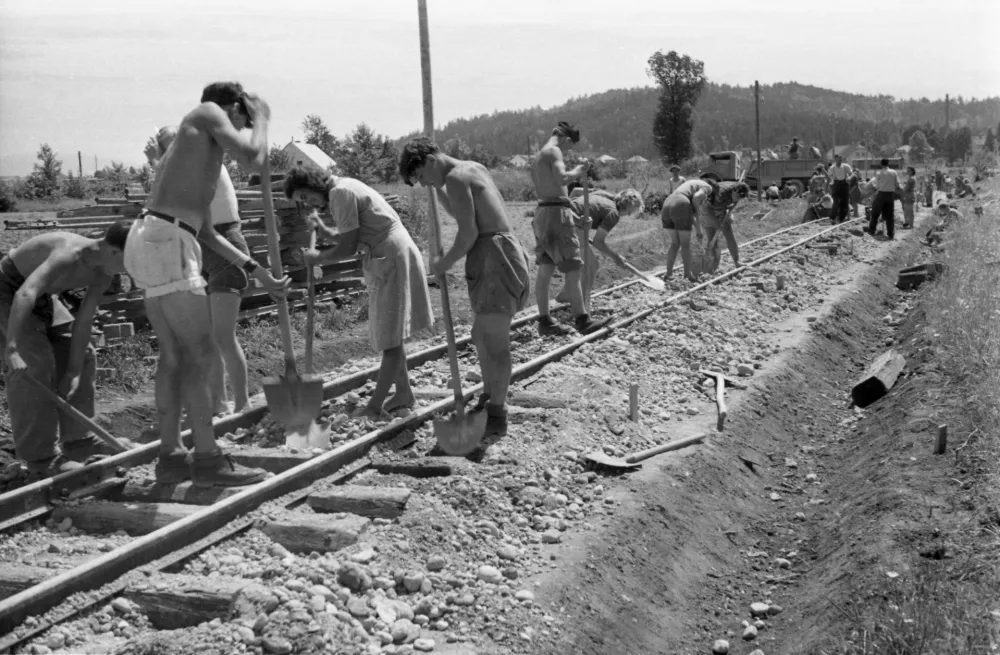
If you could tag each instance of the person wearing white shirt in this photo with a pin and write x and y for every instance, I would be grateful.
(839, 174)
(675, 179)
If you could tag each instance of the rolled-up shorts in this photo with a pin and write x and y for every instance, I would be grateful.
(677, 214)
(496, 270)
(163, 258)
(556, 242)
(224, 276)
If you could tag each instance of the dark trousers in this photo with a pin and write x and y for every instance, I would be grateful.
(883, 206)
(841, 198)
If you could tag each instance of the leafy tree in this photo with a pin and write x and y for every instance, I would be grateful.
(236, 172)
(117, 176)
(318, 134)
(8, 197)
(279, 160)
(368, 156)
(919, 148)
(681, 80)
(145, 177)
(44, 179)
(958, 144)
(75, 187)
(991, 142)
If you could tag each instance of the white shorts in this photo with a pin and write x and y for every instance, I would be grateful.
(162, 258)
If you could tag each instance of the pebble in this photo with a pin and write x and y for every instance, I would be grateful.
(811, 477)
(413, 581)
(358, 607)
(354, 577)
(749, 633)
(691, 411)
(774, 610)
(720, 647)
(782, 563)
(436, 563)
(758, 609)
(757, 652)
(760, 625)
(384, 637)
(56, 640)
(424, 645)
(365, 556)
(404, 631)
(121, 605)
(490, 574)
(465, 600)
(507, 552)
(551, 537)
(277, 645)
(322, 590)
(524, 595)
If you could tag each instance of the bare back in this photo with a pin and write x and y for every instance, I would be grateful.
(189, 171)
(490, 211)
(67, 251)
(547, 172)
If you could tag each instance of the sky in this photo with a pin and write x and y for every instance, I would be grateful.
(97, 77)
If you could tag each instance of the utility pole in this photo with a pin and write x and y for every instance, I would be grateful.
(79, 161)
(756, 109)
(95, 164)
(834, 150)
(947, 120)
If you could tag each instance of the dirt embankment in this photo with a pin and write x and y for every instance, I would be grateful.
(840, 519)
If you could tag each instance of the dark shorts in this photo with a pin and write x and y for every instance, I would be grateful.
(223, 276)
(556, 242)
(677, 213)
(496, 270)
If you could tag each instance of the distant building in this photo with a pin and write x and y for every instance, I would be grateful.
(638, 159)
(519, 161)
(309, 156)
(903, 152)
(850, 152)
(605, 159)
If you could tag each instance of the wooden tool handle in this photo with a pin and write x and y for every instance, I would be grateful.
(670, 445)
(79, 416)
(585, 244)
(720, 401)
(310, 306)
(433, 228)
(274, 258)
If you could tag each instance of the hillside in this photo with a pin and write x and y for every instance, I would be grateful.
(619, 121)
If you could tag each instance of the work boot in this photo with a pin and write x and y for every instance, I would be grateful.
(47, 468)
(587, 325)
(218, 469)
(496, 421)
(481, 403)
(80, 450)
(173, 468)
(549, 327)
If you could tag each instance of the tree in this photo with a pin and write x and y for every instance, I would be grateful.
(318, 134)
(145, 177)
(44, 179)
(368, 156)
(75, 187)
(919, 148)
(117, 176)
(681, 80)
(958, 144)
(279, 160)
(991, 142)
(236, 172)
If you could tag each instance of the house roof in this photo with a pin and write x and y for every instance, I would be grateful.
(637, 159)
(308, 154)
(519, 160)
(606, 158)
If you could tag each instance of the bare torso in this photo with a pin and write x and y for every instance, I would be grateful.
(548, 185)
(491, 213)
(188, 173)
(71, 249)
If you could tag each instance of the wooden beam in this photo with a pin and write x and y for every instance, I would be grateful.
(15, 578)
(185, 493)
(878, 378)
(305, 532)
(103, 517)
(173, 601)
(373, 502)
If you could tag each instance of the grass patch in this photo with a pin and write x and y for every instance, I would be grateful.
(128, 358)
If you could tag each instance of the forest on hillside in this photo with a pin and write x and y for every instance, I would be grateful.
(619, 121)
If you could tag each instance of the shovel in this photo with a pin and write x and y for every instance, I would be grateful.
(294, 401)
(78, 416)
(653, 283)
(721, 381)
(463, 433)
(600, 459)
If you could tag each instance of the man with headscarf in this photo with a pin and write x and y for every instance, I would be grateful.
(557, 243)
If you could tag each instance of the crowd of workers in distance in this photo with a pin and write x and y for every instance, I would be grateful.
(186, 251)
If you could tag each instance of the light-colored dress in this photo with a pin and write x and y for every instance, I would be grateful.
(399, 302)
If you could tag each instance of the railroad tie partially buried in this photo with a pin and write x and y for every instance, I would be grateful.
(373, 502)
(878, 378)
(305, 532)
(172, 601)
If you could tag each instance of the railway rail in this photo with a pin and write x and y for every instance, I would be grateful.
(164, 548)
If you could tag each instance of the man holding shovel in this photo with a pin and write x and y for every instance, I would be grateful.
(42, 341)
(719, 219)
(163, 257)
(496, 265)
(683, 210)
(557, 244)
(399, 302)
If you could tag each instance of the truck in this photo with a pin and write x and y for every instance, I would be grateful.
(729, 165)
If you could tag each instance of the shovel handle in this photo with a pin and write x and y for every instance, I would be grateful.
(662, 448)
(310, 306)
(432, 214)
(720, 401)
(77, 415)
(277, 270)
(585, 243)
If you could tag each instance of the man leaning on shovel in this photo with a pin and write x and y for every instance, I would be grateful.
(496, 266)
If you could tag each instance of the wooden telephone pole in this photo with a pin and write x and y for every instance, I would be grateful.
(79, 161)
(756, 108)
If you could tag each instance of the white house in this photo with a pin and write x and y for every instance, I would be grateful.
(638, 159)
(605, 159)
(308, 155)
(519, 161)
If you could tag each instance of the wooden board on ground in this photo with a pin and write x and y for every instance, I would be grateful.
(173, 601)
(305, 532)
(185, 493)
(18, 577)
(270, 459)
(373, 502)
(134, 518)
(878, 378)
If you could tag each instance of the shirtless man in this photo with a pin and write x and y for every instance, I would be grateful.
(163, 256)
(606, 210)
(226, 283)
(38, 340)
(684, 210)
(496, 264)
(557, 244)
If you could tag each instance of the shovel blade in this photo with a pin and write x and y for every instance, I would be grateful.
(653, 283)
(462, 434)
(600, 458)
(294, 404)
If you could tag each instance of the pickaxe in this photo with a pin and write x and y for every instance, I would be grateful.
(720, 393)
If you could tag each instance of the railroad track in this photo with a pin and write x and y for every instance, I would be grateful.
(172, 539)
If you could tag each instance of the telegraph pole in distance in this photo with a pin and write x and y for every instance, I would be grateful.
(756, 108)
(79, 161)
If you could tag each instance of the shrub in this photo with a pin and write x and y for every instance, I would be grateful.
(8, 200)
